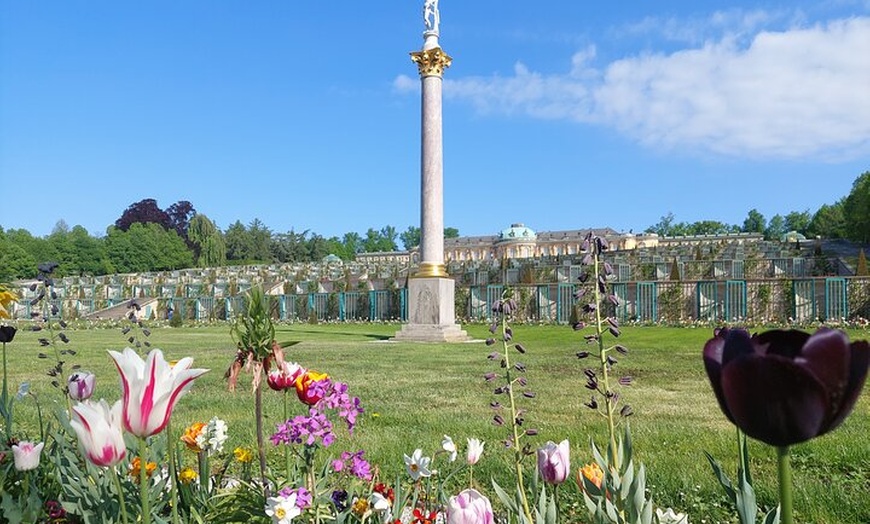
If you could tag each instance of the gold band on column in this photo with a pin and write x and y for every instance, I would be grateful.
(429, 270)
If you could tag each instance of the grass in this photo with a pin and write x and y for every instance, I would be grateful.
(415, 393)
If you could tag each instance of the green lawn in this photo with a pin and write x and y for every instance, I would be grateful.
(413, 394)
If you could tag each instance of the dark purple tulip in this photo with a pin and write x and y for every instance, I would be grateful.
(7, 333)
(785, 387)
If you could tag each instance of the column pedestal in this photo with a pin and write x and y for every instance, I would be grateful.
(430, 315)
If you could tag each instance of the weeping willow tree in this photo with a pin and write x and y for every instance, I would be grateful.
(208, 242)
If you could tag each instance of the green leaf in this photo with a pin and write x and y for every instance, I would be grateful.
(504, 498)
(722, 477)
(772, 516)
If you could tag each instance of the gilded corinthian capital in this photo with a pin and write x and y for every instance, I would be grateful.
(431, 62)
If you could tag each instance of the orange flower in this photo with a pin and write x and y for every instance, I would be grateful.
(191, 434)
(303, 384)
(591, 472)
(135, 465)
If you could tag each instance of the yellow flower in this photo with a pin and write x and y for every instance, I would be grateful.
(592, 472)
(135, 465)
(6, 300)
(187, 475)
(191, 434)
(360, 506)
(243, 455)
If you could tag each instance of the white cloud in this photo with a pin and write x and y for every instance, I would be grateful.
(797, 93)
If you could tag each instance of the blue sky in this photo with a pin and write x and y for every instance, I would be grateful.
(305, 115)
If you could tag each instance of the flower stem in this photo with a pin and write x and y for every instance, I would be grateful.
(173, 477)
(6, 407)
(121, 499)
(785, 485)
(143, 481)
(602, 354)
(518, 452)
(261, 450)
(287, 447)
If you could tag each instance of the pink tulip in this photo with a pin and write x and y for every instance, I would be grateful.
(554, 462)
(99, 430)
(475, 450)
(284, 377)
(469, 507)
(81, 385)
(151, 389)
(26, 455)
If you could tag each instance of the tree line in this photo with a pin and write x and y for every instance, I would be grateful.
(148, 238)
(847, 218)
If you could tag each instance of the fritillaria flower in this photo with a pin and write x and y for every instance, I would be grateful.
(81, 385)
(26, 455)
(151, 388)
(554, 462)
(475, 450)
(785, 387)
(98, 428)
(469, 507)
(418, 465)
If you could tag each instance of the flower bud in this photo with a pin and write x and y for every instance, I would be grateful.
(490, 341)
(582, 354)
(626, 411)
(81, 385)
(519, 347)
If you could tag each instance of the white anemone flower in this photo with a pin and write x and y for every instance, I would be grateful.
(418, 465)
(448, 446)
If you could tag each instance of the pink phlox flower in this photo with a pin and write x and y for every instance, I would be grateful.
(305, 428)
(303, 496)
(360, 467)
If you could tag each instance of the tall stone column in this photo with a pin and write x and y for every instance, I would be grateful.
(431, 291)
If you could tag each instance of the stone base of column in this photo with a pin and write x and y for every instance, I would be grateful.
(431, 315)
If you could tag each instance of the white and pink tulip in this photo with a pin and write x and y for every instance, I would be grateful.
(151, 388)
(98, 428)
